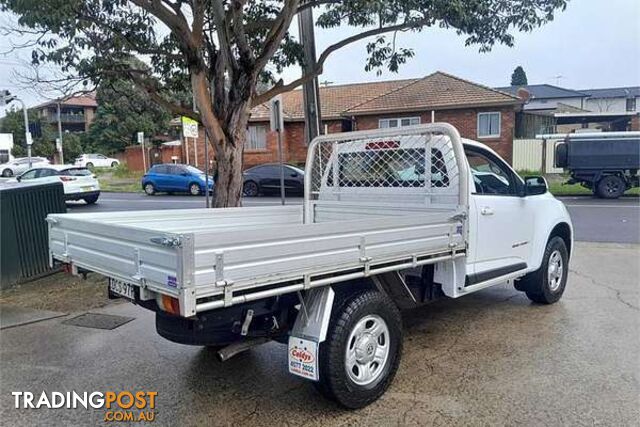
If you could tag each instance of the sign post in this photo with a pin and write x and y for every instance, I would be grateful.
(277, 125)
(189, 130)
(144, 157)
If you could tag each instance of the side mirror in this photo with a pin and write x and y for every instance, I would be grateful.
(535, 185)
(18, 178)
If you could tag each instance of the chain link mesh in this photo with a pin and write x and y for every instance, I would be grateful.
(420, 164)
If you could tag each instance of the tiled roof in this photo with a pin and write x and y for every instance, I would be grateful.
(334, 99)
(86, 100)
(544, 91)
(614, 92)
(437, 90)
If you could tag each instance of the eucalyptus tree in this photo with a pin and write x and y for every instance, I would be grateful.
(222, 49)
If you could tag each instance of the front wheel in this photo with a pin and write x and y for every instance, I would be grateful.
(250, 189)
(7, 173)
(546, 285)
(149, 189)
(361, 354)
(114, 164)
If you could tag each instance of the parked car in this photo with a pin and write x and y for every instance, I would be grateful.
(96, 160)
(175, 178)
(79, 182)
(265, 179)
(21, 164)
(393, 219)
(607, 163)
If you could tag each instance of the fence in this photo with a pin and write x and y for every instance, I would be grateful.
(527, 154)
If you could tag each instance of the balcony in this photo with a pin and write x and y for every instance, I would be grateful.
(65, 118)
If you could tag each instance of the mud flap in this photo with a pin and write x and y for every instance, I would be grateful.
(309, 330)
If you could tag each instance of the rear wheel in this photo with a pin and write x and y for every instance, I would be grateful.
(89, 165)
(91, 199)
(114, 164)
(250, 189)
(149, 189)
(546, 285)
(361, 354)
(7, 173)
(194, 189)
(611, 187)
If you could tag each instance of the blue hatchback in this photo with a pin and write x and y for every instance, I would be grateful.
(175, 178)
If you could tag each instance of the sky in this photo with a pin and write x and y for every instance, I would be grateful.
(592, 44)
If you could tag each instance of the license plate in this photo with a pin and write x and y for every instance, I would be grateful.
(121, 289)
(89, 188)
(303, 358)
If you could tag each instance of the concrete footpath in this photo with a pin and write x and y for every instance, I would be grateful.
(492, 358)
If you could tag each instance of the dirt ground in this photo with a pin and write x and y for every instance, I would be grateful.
(59, 292)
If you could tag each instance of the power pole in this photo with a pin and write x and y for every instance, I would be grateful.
(60, 134)
(310, 90)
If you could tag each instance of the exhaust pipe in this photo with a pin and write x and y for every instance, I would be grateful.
(231, 350)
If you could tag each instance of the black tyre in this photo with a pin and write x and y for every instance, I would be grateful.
(89, 165)
(611, 187)
(546, 285)
(361, 354)
(250, 189)
(7, 173)
(91, 199)
(114, 164)
(149, 189)
(194, 189)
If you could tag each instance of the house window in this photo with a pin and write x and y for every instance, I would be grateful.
(398, 122)
(256, 138)
(631, 104)
(488, 125)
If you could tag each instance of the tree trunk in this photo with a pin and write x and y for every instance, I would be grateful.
(227, 130)
(228, 185)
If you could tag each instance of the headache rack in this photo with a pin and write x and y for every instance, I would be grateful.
(375, 201)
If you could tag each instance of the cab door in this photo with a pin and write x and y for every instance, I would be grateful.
(503, 220)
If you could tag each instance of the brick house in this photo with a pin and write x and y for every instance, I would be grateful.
(479, 113)
(76, 113)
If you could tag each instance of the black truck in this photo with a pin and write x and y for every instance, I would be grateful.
(607, 163)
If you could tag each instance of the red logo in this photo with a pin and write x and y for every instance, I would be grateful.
(302, 355)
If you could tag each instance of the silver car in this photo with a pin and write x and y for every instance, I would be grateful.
(21, 164)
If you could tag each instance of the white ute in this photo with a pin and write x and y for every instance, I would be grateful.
(392, 219)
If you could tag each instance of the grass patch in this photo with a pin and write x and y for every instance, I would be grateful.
(119, 179)
(560, 189)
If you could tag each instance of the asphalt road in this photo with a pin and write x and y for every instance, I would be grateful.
(491, 358)
(594, 220)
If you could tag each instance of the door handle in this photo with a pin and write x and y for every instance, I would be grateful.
(486, 211)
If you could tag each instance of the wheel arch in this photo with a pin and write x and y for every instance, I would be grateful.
(564, 231)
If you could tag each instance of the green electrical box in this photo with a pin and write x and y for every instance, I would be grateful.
(24, 242)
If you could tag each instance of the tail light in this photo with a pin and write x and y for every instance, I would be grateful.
(169, 304)
(67, 178)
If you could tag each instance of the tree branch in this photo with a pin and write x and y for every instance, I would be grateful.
(277, 32)
(280, 87)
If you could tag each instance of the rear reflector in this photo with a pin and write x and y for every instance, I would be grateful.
(382, 145)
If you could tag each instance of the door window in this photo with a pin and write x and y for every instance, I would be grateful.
(43, 173)
(490, 175)
(30, 174)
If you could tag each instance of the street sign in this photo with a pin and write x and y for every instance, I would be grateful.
(29, 138)
(189, 127)
(140, 137)
(275, 114)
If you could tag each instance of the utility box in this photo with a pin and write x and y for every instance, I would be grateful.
(24, 245)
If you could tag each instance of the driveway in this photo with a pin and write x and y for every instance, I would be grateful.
(491, 358)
